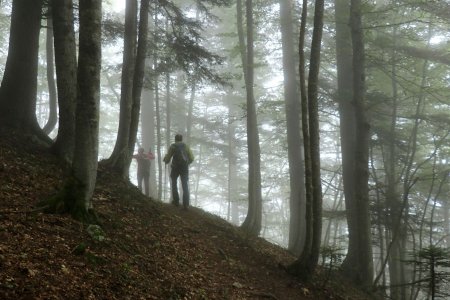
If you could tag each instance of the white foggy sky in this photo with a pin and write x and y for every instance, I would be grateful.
(118, 5)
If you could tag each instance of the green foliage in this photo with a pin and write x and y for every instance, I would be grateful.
(332, 257)
(177, 43)
(96, 233)
(435, 263)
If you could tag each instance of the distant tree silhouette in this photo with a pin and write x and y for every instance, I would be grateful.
(252, 223)
(354, 136)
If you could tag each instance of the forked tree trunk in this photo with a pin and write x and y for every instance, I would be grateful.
(76, 196)
(297, 201)
(305, 265)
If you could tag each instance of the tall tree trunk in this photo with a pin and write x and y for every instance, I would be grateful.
(346, 115)
(148, 131)
(359, 265)
(232, 164)
(138, 77)
(158, 113)
(53, 114)
(252, 223)
(292, 100)
(168, 110)
(18, 90)
(79, 187)
(121, 156)
(190, 113)
(393, 198)
(66, 76)
(88, 102)
(313, 114)
(305, 265)
(161, 188)
(139, 71)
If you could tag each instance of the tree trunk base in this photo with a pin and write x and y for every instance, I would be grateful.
(301, 269)
(68, 200)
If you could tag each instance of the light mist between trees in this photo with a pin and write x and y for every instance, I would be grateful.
(315, 124)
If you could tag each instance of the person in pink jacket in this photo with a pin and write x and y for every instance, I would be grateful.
(143, 169)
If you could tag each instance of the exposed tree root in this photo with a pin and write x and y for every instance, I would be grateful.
(70, 200)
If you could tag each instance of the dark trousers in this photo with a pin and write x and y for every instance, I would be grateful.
(145, 178)
(183, 173)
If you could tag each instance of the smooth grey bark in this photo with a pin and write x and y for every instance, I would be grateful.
(306, 263)
(138, 79)
(393, 197)
(120, 158)
(233, 194)
(297, 201)
(313, 114)
(53, 113)
(168, 110)
(66, 76)
(344, 56)
(154, 79)
(18, 90)
(189, 118)
(358, 264)
(84, 167)
(253, 221)
(180, 113)
(158, 145)
(138, 75)
(148, 131)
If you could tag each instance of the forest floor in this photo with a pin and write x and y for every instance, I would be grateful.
(147, 250)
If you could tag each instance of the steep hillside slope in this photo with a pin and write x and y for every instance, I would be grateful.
(146, 249)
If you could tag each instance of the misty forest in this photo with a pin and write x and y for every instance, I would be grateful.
(321, 126)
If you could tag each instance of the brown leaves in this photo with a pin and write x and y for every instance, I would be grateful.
(145, 249)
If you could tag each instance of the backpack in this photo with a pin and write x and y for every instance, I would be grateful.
(180, 157)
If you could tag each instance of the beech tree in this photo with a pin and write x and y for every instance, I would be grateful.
(66, 76)
(354, 140)
(252, 222)
(19, 85)
(53, 114)
(76, 195)
(295, 153)
(120, 158)
(306, 263)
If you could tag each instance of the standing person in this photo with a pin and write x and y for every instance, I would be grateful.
(182, 157)
(143, 169)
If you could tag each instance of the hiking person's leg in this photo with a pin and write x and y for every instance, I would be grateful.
(139, 180)
(173, 181)
(147, 184)
(185, 184)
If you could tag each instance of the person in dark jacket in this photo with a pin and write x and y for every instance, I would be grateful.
(181, 156)
(143, 169)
